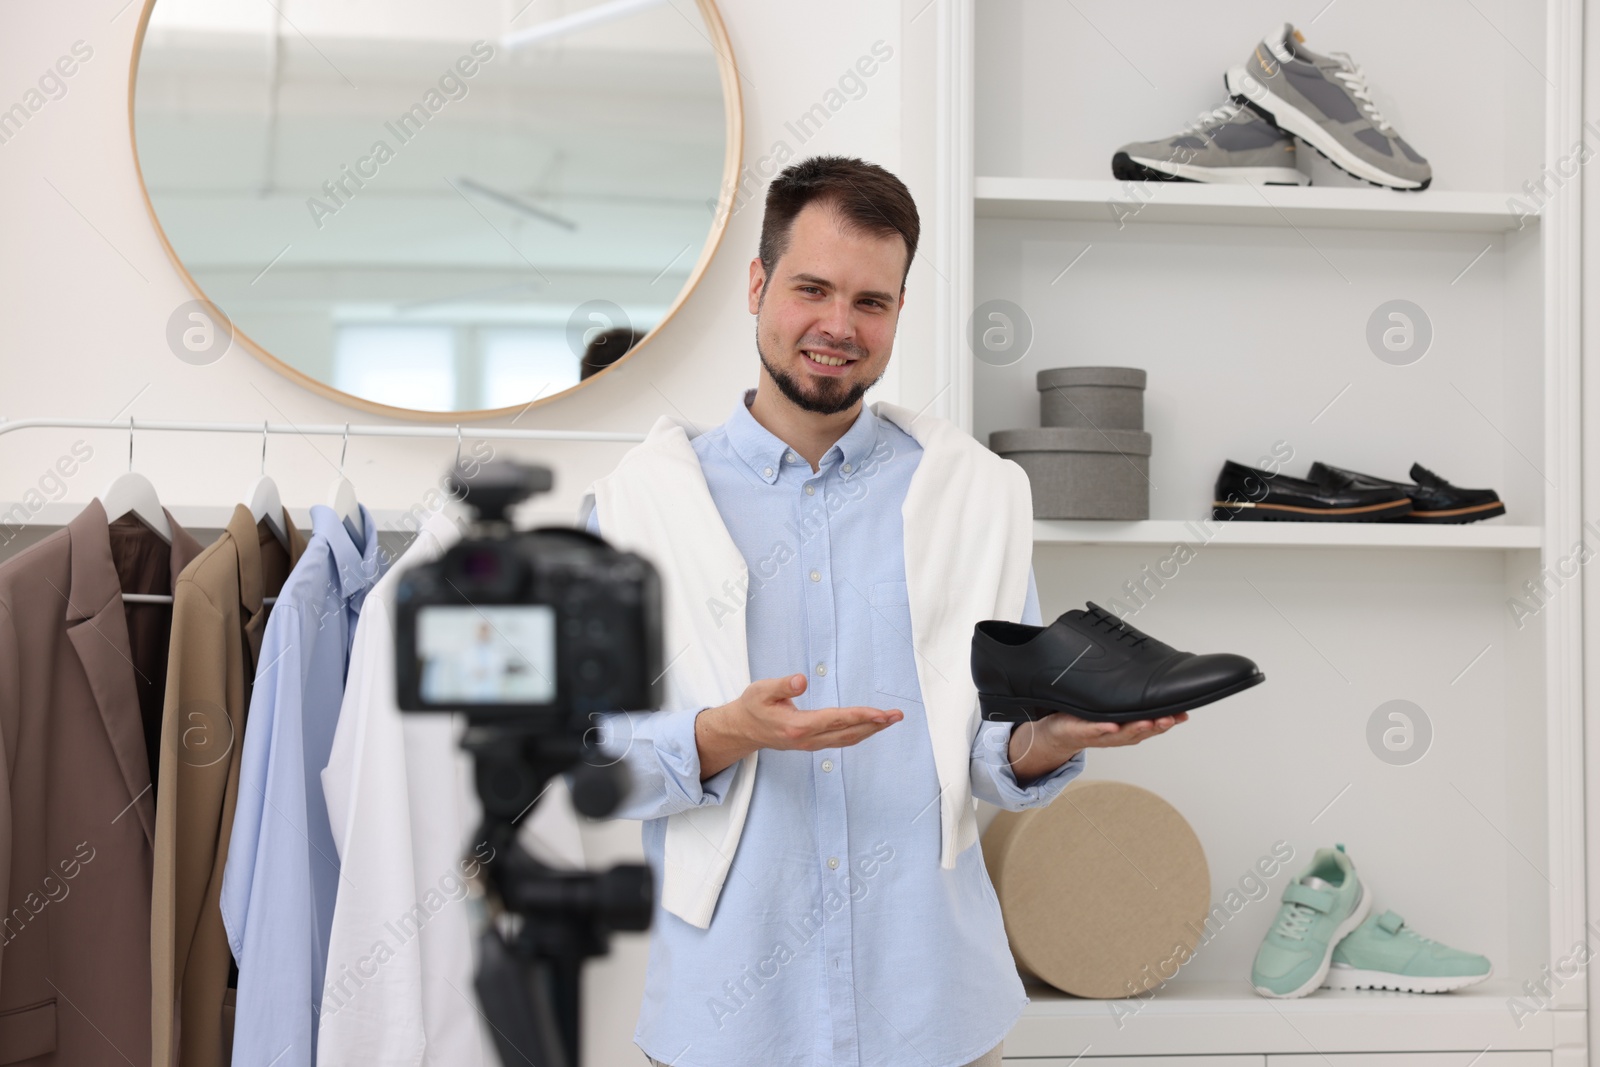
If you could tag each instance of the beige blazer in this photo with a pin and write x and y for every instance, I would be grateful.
(217, 622)
(77, 817)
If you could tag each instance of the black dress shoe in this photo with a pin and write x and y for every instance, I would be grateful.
(1095, 666)
(1432, 498)
(1260, 496)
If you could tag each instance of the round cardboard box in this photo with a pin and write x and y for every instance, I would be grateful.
(1105, 890)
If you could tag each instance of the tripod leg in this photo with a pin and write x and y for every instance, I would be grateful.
(519, 1002)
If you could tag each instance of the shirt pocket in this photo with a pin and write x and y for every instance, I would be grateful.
(894, 663)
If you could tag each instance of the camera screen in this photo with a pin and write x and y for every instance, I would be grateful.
(487, 655)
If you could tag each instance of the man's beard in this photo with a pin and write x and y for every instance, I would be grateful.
(833, 397)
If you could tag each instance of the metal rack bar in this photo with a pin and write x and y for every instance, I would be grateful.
(455, 431)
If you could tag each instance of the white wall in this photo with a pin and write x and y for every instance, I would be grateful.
(86, 291)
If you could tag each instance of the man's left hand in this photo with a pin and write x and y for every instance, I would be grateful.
(1040, 746)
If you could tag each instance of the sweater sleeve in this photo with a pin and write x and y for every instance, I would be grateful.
(660, 752)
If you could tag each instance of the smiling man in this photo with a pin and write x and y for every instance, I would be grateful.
(806, 791)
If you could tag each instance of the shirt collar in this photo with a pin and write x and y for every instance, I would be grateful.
(764, 451)
(357, 566)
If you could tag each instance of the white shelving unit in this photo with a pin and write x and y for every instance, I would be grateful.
(1197, 533)
(1249, 308)
(1218, 1018)
(1088, 199)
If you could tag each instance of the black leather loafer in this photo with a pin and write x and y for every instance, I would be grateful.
(1432, 498)
(1095, 666)
(1260, 496)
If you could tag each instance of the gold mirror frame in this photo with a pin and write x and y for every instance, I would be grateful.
(733, 131)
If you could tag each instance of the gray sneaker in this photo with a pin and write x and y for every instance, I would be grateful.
(1230, 145)
(1327, 104)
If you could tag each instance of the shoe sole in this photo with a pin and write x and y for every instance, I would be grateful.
(1125, 167)
(1355, 919)
(1021, 709)
(1458, 515)
(1344, 976)
(1256, 512)
(1290, 119)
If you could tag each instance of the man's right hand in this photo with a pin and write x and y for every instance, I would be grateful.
(764, 716)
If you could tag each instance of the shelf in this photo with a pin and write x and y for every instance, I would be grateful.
(1198, 532)
(1229, 1017)
(1092, 200)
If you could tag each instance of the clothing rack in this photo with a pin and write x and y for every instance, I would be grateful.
(345, 430)
(320, 429)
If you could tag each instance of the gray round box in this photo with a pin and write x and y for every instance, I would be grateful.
(1106, 398)
(1081, 474)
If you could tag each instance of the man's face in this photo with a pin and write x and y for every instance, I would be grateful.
(832, 294)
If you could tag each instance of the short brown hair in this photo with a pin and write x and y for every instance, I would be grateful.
(606, 348)
(868, 199)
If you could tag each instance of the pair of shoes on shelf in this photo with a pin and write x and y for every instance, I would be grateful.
(1331, 494)
(1327, 936)
(1093, 665)
(1282, 92)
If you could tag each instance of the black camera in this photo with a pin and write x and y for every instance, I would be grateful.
(532, 634)
(512, 624)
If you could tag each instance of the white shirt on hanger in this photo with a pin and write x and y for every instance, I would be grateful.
(404, 813)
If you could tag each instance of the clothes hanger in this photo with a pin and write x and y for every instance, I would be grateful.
(342, 498)
(265, 503)
(132, 493)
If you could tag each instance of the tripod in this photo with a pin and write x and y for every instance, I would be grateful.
(530, 966)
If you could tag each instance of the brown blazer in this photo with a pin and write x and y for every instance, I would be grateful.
(78, 674)
(217, 623)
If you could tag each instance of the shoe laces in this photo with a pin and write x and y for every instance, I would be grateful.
(1355, 83)
(1215, 117)
(1295, 921)
(1121, 630)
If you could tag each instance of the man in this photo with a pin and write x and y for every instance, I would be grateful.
(849, 932)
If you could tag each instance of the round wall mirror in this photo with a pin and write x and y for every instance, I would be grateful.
(435, 210)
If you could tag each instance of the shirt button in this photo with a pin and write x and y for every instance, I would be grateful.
(827, 765)
(833, 863)
(766, 472)
(810, 489)
(790, 456)
(822, 668)
(846, 468)
(816, 576)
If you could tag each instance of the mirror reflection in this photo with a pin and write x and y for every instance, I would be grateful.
(438, 207)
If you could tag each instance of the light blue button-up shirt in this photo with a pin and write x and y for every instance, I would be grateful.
(837, 939)
(282, 872)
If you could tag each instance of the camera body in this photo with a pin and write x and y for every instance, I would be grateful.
(550, 622)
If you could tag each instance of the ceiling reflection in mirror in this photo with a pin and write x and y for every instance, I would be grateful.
(436, 207)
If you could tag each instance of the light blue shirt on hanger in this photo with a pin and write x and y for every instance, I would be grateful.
(837, 939)
(282, 873)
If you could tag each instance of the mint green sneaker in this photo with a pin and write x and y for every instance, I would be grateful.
(1385, 953)
(1324, 903)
